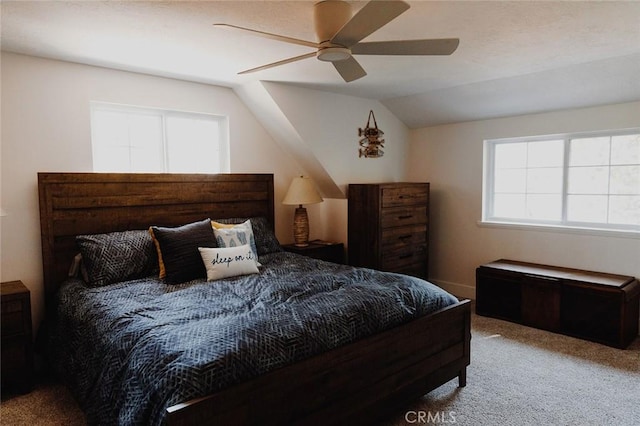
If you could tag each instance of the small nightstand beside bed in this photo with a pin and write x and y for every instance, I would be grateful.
(302, 341)
(17, 353)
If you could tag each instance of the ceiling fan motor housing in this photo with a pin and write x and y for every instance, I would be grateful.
(328, 17)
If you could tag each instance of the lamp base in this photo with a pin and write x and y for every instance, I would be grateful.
(301, 227)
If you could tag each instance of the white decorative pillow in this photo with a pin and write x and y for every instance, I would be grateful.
(228, 261)
(235, 235)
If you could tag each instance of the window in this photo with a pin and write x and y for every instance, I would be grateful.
(133, 139)
(574, 180)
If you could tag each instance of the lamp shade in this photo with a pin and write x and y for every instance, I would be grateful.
(302, 191)
(3, 212)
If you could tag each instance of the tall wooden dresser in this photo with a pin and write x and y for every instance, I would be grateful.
(389, 227)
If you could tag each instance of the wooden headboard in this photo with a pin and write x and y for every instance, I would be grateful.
(93, 203)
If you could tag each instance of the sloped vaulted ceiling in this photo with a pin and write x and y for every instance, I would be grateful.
(319, 130)
(514, 57)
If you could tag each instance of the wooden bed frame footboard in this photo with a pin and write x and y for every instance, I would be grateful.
(356, 384)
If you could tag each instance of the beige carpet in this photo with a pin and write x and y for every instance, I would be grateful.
(524, 376)
(49, 404)
(518, 376)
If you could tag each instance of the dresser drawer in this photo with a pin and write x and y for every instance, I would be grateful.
(14, 355)
(12, 323)
(403, 237)
(13, 318)
(395, 260)
(404, 196)
(16, 348)
(402, 216)
(418, 269)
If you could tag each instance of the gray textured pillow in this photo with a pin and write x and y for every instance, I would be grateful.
(266, 241)
(117, 256)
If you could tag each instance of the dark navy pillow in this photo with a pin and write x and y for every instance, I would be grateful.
(179, 250)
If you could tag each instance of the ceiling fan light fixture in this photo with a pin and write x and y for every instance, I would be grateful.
(333, 54)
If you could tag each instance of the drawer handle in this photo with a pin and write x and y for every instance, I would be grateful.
(405, 256)
(406, 216)
(404, 237)
(542, 277)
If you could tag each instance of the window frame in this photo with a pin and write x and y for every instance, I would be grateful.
(164, 114)
(488, 184)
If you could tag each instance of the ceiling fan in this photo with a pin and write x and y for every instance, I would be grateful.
(339, 34)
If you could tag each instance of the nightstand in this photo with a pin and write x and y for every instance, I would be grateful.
(317, 249)
(17, 346)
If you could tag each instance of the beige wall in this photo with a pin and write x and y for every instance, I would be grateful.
(326, 129)
(328, 123)
(45, 127)
(450, 157)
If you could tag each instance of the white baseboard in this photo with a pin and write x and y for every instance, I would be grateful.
(461, 291)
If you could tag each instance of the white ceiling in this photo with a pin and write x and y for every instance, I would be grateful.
(514, 57)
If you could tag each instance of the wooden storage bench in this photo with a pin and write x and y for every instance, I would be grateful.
(595, 306)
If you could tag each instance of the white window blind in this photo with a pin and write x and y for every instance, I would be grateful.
(135, 139)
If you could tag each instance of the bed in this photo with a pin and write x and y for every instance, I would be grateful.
(340, 377)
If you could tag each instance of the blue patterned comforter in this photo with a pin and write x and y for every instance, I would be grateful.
(130, 350)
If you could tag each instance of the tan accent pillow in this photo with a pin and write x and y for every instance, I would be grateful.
(163, 271)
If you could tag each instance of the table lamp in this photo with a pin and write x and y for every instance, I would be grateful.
(301, 191)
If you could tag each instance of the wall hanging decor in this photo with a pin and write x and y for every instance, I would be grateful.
(371, 145)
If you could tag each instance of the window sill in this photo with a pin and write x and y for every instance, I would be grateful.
(560, 229)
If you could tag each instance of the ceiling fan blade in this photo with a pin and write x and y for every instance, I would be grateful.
(443, 46)
(275, 64)
(271, 36)
(349, 69)
(371, 17)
